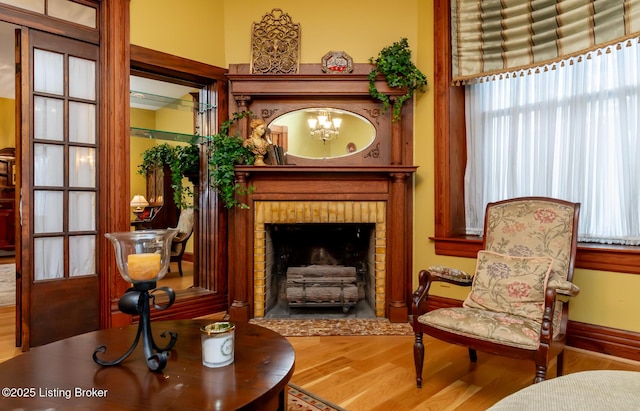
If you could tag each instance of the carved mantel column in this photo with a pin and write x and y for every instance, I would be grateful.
(397, 265)
(241, 266)
(242, 102)
(396, 139)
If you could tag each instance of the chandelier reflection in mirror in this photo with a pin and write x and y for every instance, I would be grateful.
(323, 127)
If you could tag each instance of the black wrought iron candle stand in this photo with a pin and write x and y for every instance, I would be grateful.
(143, 258)
(137, 301)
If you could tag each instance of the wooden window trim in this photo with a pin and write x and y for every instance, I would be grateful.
(450, 158)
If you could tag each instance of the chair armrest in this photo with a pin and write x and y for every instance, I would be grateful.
(430, 275)
(450, 275)
(563, 286)
(558, 291)
(181, 238)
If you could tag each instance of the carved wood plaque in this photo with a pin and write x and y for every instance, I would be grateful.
(275, 44)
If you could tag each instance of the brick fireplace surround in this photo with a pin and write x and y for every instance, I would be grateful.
(317, 195)
(307, 212)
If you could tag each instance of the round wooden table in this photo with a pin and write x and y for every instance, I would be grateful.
(63, 375)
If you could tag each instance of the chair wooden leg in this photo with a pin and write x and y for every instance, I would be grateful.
(473, 355)
(560, 364)
(418, 358)
(180, 267)
(541, 373)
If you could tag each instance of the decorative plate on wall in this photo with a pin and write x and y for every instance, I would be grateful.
(337, 62)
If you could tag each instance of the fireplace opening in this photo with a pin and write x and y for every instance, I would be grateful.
(320, 270)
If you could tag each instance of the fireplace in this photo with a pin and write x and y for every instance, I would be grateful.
(320, 269)
(334, 237)
(371, 188)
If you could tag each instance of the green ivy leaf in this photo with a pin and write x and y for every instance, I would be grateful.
(394, 63)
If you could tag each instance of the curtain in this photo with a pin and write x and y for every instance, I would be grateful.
(570, 133)
(502, 36)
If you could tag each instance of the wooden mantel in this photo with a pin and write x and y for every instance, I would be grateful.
(382, 174)
(309, 81)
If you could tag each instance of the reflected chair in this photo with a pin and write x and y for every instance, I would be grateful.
(518, 302)
(185, 229)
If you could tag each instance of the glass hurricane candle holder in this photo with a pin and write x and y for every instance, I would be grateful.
(143, 258)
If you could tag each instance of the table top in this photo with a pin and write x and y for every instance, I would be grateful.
(45, 376)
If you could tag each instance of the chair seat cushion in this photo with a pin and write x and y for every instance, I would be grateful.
(501, 328)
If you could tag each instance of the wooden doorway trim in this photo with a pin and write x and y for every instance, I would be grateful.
(113, 213)
(210, 291)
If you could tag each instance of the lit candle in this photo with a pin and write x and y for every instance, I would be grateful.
(143, 267)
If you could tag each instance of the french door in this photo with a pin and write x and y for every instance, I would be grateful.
(57, 100)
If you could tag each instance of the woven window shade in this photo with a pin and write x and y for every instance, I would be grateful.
(492, 37)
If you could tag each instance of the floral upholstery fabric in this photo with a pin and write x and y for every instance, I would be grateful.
(562, 286)
(486, 325)
(533, 228)
(513, 285)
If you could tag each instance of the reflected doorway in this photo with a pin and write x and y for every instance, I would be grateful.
(163, 117)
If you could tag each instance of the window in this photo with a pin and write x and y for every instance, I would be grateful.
(570, 132)
(450, 160)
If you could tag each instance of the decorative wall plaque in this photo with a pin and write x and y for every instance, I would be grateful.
(275, 44)
(337, 62)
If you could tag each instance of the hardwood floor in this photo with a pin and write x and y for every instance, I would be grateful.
(376, 373)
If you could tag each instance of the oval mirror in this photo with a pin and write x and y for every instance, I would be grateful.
(319, 133)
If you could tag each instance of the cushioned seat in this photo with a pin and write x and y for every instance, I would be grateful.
(179, 243)
(585, 391)
(501, 328)
(516, 306)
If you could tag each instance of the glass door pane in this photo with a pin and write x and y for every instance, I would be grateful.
(64, 198)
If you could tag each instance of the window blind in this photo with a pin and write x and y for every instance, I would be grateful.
(506, 36)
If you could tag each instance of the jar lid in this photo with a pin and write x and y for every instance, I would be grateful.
(218, 327)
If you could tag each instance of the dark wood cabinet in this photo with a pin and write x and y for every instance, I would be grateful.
(160, 197)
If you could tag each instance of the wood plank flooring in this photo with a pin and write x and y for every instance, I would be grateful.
(376, 373)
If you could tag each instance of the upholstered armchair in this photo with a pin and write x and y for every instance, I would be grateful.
(185, 229)
(518, 300)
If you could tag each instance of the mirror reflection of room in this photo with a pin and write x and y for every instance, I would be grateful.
(323, 132)
(162, 121)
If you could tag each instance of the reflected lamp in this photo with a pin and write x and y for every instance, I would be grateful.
(323, 127)
(138, 203)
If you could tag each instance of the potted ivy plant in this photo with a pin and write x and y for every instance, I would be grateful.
(394, 63)
(183, 161)
(225, 152)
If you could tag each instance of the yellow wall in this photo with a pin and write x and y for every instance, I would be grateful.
(191, 29)
(142, 119)
(7, 122)
(358, 27)
(361, 28)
